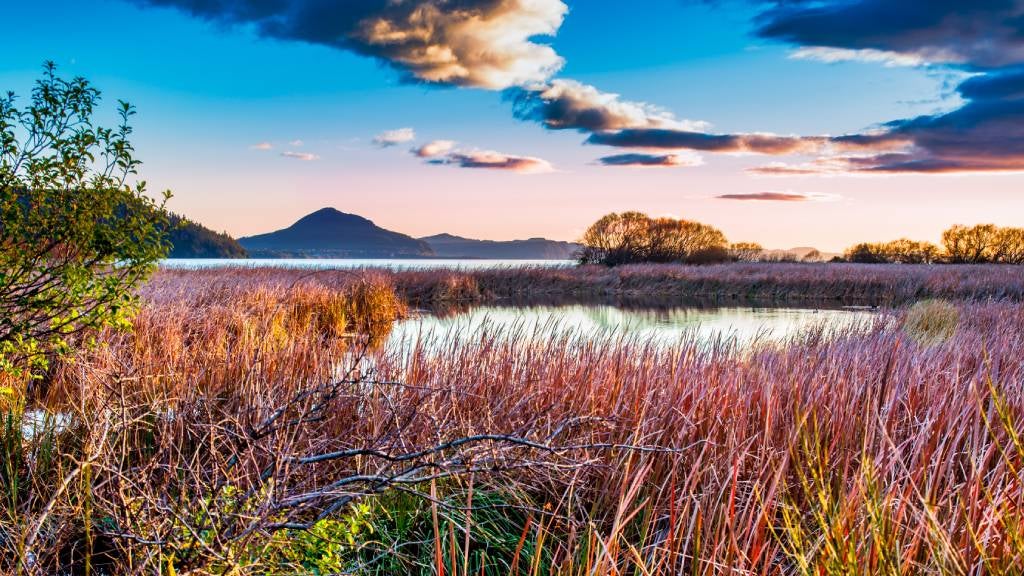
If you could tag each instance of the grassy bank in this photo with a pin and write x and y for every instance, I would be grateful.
(245, 428)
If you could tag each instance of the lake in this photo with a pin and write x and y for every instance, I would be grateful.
(742, 326)
(354, 263)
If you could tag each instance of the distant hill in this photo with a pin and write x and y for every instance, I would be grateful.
(449, 246)
(330, 233)
(193, 240)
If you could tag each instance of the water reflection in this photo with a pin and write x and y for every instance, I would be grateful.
(740, 325)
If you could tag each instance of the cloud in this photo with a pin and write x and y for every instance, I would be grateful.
(495, 161)
(493, 44)
(479, 43)
(296, 143)
(394, 137)
(660, 138)
(983, 37)
(650, 160)
(833, 55)
(570, 105)
(983, 34)
(434, 148)
(986, 134)
(305, 156)
(779, 197)
(262, 146)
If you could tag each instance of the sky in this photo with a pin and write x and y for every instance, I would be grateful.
(785, 122)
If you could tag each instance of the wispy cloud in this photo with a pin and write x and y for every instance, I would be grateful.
(780, 197)
(434, 148)
(650, 160)
(262, 146)
(296, 143)
(394, 137)
(490, 160)
(832, 55)
(305, 156)
(669, 139)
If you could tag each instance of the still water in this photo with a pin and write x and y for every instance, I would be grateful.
(742, 326)
(353, 263)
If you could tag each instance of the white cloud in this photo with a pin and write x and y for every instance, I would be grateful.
(833, 55)
(304, 156)
(394, 137)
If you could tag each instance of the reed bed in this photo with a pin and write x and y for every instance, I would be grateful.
(248, 425)
(866, 454)
(872, 284)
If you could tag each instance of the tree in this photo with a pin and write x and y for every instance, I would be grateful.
(974, 245)
(616, 239)
(812, 256)
(745, 251)
(902, 251)
(1011, 242)
(632, 237)
(76, 236)
(866, 253)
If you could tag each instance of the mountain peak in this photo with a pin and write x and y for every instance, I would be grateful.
(331, 233)
(332, 217)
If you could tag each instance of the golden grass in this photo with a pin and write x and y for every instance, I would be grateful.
(932, 321)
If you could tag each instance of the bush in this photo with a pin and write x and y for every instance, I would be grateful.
(76, 238)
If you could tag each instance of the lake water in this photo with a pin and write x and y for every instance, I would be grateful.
(660, 326)
(354, 263)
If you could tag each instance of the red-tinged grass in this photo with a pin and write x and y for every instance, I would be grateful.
(870, 454)
(875, 452)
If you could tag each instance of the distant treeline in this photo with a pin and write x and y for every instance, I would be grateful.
(634, 237)
(980, 244)
(191, 240)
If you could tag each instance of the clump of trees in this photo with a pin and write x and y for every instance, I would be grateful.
(980, 244)
(902, 251)
(984, 243)
(634, 237)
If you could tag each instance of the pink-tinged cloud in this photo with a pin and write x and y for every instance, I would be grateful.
(262, 146)
(394, 137)
(779, 197)
(490, 160)
(670, 139)
(650, 160)
(304, 156)
(434, 148)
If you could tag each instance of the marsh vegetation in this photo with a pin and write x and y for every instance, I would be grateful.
(244, 421)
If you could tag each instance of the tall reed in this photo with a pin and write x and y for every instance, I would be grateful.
(245, 408)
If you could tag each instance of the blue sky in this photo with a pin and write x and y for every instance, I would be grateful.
(209, 92)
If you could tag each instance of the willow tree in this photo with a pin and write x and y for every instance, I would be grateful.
(78, 233)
